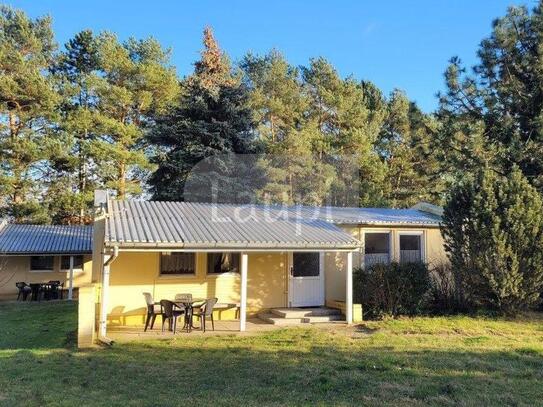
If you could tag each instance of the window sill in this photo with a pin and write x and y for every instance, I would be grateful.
(175, 276)
(227, 274)
(68, 270)
(42, 271)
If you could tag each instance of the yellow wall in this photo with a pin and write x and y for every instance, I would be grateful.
(335, 262)
(134, 273)
(17, 268)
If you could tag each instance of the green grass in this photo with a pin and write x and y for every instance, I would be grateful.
(406, 362)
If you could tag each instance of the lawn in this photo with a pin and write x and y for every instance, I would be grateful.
(420, 361)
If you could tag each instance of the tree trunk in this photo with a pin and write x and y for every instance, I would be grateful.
(121, 190)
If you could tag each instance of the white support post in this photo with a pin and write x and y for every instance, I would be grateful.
(243, 302)
(104, 299)
(71, 280)
(349, 289)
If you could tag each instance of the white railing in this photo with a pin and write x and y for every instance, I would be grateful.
(376, 258)
(410, 256)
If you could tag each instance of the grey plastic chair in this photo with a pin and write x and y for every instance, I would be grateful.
(206, 310)
(170, 312)
(153, 309)
(183, 297)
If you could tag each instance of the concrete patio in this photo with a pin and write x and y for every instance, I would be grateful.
(131, 333)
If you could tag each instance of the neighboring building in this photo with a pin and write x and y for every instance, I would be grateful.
(304, 257)
(41, 253)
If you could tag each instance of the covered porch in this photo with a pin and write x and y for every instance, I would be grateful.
(265, 281)
(254, 258)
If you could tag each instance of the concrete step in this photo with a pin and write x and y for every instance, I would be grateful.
(273, 319)
(322, 319)
(297, 313)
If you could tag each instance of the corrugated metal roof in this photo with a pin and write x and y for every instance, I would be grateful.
(45, 239)
(370, 216)
(200, 225)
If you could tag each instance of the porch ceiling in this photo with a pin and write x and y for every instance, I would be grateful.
(200, 226)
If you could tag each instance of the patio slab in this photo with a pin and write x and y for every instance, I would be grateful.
(131, 333)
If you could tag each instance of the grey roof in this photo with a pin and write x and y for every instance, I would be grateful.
(45, 239)
(199, 225)
(371, 216)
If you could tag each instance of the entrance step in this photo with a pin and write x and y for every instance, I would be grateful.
(304, 312)
(326, 318)
(296, 316)
(275, 320)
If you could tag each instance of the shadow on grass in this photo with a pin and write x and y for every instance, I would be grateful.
(243, 371)
(43, 325)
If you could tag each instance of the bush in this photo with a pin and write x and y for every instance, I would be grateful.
(391, 289)
(493, 231)
(445, 294)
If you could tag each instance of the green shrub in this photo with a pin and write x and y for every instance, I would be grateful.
(445, 294)
(493, 231)
(391, 289)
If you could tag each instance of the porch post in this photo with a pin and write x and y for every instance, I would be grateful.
(71, 281)
(104, 298)
(349, 289)
(243, 302)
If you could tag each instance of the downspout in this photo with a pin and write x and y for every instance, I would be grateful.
(105, 297)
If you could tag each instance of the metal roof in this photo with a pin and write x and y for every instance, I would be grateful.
(207, 226)
(45, 239)
(370, 216)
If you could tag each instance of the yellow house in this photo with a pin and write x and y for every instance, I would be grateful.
(43, 253)
(251, 258)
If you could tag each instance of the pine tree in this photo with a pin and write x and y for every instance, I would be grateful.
(27, 106)
(405, 146)
(138, 84)
(211, 120)
(348, 115)
(493, 230)
(280, 108)
(78, 71)
(493, 115)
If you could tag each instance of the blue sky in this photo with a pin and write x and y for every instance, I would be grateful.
(396, 44)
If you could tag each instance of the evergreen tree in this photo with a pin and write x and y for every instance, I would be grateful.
(138, 84)
(76, 164)
(493, 230)
(279, 105)
(27, 107)
(211, 120)
(493, 115)
(404, 145)
(348, 116)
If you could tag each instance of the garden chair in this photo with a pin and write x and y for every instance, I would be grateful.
(170, 312)
(153, 309)
(24, 290)
(206, 311)
(183, 297)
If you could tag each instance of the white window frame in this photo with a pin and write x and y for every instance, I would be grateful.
(76, 270)
(422, 235)
(390, 245)
(30, 270)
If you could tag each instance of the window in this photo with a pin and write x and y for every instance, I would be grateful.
(218, 263)
(65, 263)
(172, 263)
(376, 248)
(42, 263)
(305, 264)
(410, 248)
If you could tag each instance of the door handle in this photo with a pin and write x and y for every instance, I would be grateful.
(291, 271)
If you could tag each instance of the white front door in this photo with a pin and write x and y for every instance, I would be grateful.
(306, 279)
